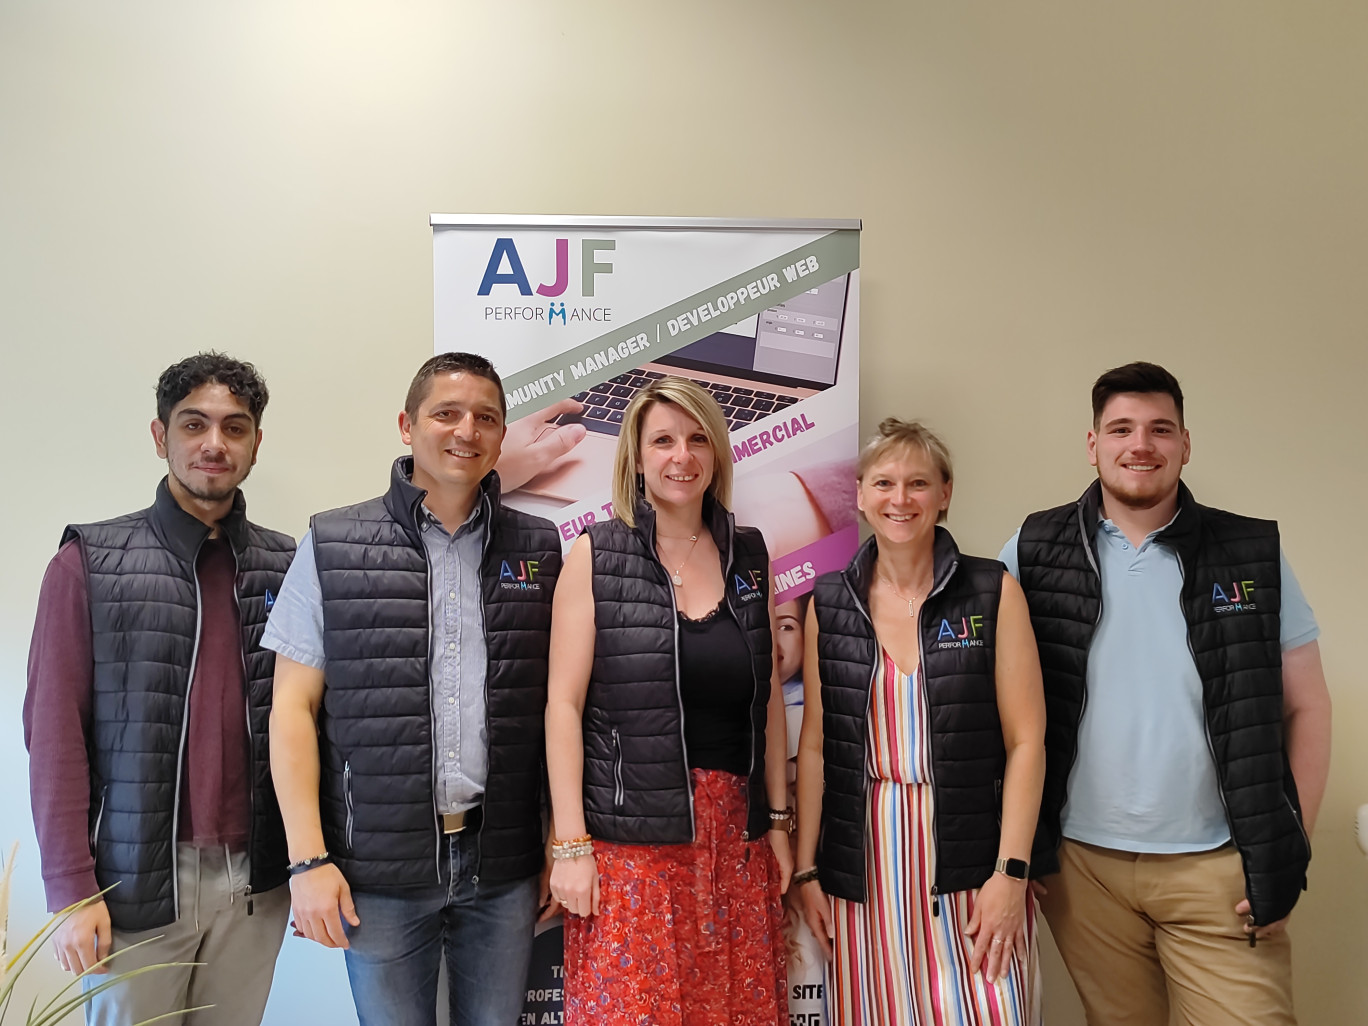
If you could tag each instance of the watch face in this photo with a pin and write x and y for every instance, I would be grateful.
(1015, 868)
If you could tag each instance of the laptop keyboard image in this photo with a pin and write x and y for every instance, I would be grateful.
(604, 403)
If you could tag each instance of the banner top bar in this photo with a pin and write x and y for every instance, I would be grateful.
(610, 223)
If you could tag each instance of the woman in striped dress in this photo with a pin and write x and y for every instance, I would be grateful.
(920, 763)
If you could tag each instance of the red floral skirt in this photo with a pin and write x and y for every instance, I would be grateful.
(687, 934)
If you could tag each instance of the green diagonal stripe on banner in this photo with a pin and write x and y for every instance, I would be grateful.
(693, 317)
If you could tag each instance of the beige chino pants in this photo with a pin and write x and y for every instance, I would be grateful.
(238, 951)
(1144, 936)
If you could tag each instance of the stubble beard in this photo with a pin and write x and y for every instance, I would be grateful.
(1137, 501)
(210, 495)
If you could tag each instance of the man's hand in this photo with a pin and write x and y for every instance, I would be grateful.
(546, 901)
(535, 442)
(84, 939)
(1242, 910)
(320, 899)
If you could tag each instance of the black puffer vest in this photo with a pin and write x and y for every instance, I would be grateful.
(1235, 645)
(144, 614)
(637, 787)
(376, 788)
(958, 635)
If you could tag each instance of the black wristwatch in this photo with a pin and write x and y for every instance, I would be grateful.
(1015, 868)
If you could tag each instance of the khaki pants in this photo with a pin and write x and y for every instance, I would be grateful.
(238, 951)
(1143, 934)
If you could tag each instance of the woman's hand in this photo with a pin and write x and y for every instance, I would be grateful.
(998, 925)
(817, 915)
(783, 854)
(575, 884)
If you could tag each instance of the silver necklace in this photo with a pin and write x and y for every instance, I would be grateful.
(911, 602)
(677, 578)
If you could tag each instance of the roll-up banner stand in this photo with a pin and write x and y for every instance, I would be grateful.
(578, 313)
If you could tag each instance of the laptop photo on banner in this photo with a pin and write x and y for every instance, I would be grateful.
(755, 368)
(760, 366)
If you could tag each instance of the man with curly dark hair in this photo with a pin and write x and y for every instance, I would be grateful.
(149, 696)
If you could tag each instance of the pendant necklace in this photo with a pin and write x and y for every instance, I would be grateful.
(911, 602)
(676, 578)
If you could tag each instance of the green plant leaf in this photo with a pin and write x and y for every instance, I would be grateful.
(80, 977)
(49, 1014)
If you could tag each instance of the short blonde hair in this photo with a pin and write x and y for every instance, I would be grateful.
(898, 436)
(698, 404)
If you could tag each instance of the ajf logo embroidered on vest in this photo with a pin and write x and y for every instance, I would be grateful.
(1239, 598)
(521, 577)
(964, 634)
(749, 586)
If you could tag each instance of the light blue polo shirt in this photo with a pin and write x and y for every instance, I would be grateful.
(1145, 778)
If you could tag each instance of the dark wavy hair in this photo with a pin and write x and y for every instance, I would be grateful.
(242, 379)
(1141, 377)
(451, 363)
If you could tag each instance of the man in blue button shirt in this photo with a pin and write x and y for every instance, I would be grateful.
(407, 739)
(1189, 729)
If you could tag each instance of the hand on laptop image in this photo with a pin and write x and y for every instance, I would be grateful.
(534, 443)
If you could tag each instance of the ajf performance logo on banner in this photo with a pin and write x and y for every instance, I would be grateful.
(507, 267)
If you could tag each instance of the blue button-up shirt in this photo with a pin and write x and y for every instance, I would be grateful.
(456, 649)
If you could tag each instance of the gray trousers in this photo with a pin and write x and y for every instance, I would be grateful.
(238, 951)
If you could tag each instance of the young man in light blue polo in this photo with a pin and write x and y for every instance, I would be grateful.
(1188, 739)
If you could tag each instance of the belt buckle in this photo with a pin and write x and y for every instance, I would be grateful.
(455, 822)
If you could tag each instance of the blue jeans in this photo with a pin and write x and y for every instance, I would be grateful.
(485, 929)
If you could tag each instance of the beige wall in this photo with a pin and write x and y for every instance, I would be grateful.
(1047, 189)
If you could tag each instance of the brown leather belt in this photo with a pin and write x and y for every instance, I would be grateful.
(455, 822)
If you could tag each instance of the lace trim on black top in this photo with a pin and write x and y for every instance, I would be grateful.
(707, 617)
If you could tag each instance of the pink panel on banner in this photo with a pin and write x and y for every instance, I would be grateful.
(795, 571)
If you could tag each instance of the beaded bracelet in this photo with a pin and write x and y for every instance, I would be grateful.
(573, 848)
(304, 865)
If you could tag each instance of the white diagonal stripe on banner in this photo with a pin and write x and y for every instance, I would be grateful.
(681, 323)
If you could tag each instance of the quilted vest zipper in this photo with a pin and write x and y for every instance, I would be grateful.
(347, 797)
(619, 792)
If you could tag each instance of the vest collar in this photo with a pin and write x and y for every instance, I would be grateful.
(719, 522)
(1181, 534)
(404, 498)
(183, 534)
(944, 557)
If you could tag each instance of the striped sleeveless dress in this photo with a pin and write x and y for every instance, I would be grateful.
(895, 963)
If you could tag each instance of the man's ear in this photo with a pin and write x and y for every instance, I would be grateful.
(159, 437)
(405, 428)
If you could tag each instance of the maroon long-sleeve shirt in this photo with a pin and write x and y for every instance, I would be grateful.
(215, 798)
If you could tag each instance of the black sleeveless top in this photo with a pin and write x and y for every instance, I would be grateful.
(716, 684)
